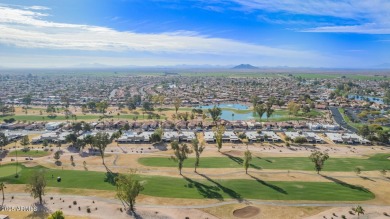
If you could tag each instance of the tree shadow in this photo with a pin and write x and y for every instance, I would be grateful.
(255, 167)
(111, 177)
(42, 211)
(134, 214)
(276, 188)
(233, 158)
(359, 188)
(233, 194)
(366, 178)
(206, 191)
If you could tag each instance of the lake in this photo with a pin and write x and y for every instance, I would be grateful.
(228, 114)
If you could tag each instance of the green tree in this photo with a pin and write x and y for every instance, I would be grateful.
(37, 185)
(128, 188)
(77, 127)
(2, 188)
(147, 106)
(45, 143)
(318, 158)
(177, 104)
(27, 99)
(219, 130)
(89, 140)
(100, 141)
(86, 127)
(156, 136)
(255, 100)
(102, 106)
(198, 148)
(269, 110)
(358, 170)
(71, 138)
(300, 140)
(3, 140)
(25, 141)
(364, 131)
(215, 113)
(247, 160)
(57, 156)
(358, 210)
(57, 215)
(260, 110)
(383, 136)
(180, 153)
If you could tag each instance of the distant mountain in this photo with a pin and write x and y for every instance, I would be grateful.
(245, 66)
(383, 65)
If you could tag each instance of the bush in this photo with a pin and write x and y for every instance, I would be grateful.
(74, 203)
(88, 210)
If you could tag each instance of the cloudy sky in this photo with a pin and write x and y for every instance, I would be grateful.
(310, 33)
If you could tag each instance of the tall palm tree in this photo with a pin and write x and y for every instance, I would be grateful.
(2, 187)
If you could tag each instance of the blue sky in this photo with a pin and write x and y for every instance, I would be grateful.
(310, 33)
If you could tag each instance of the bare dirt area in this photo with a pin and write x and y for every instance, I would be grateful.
(93, 207)
(265, 211)
(373, 212)
(246, 212)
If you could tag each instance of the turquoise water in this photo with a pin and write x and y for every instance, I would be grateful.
(228, 114)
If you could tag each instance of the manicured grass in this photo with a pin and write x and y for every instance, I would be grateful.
(30, 153)
(377, 162)
(206, 187)
(8, 170)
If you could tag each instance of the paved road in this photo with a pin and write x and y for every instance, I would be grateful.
(340, 120)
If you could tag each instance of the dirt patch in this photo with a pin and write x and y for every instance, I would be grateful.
(246, 212)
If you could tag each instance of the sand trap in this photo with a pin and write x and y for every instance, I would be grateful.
(246, 212)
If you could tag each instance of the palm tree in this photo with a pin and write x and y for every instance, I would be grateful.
(2, 187)
(232, 116)
(57, 215)
(358, 210)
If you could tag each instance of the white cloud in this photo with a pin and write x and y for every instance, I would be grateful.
(30, 29)
(370, 15)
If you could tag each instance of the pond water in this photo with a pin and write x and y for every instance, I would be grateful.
(228, 114)
(371, 99)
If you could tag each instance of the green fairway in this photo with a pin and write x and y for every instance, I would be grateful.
(206, 187)
(30, 153)
(377, 162)
(9, 170)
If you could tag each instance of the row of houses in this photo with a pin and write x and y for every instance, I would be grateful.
(309, 136)
(347, 138)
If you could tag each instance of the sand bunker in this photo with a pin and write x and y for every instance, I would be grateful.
(246, 212)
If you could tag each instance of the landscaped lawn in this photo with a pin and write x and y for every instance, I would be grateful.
(173, 187)
(30, 153)
(377, 162)
(8, 170)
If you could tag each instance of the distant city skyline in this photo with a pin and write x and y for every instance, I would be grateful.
(312, 33)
